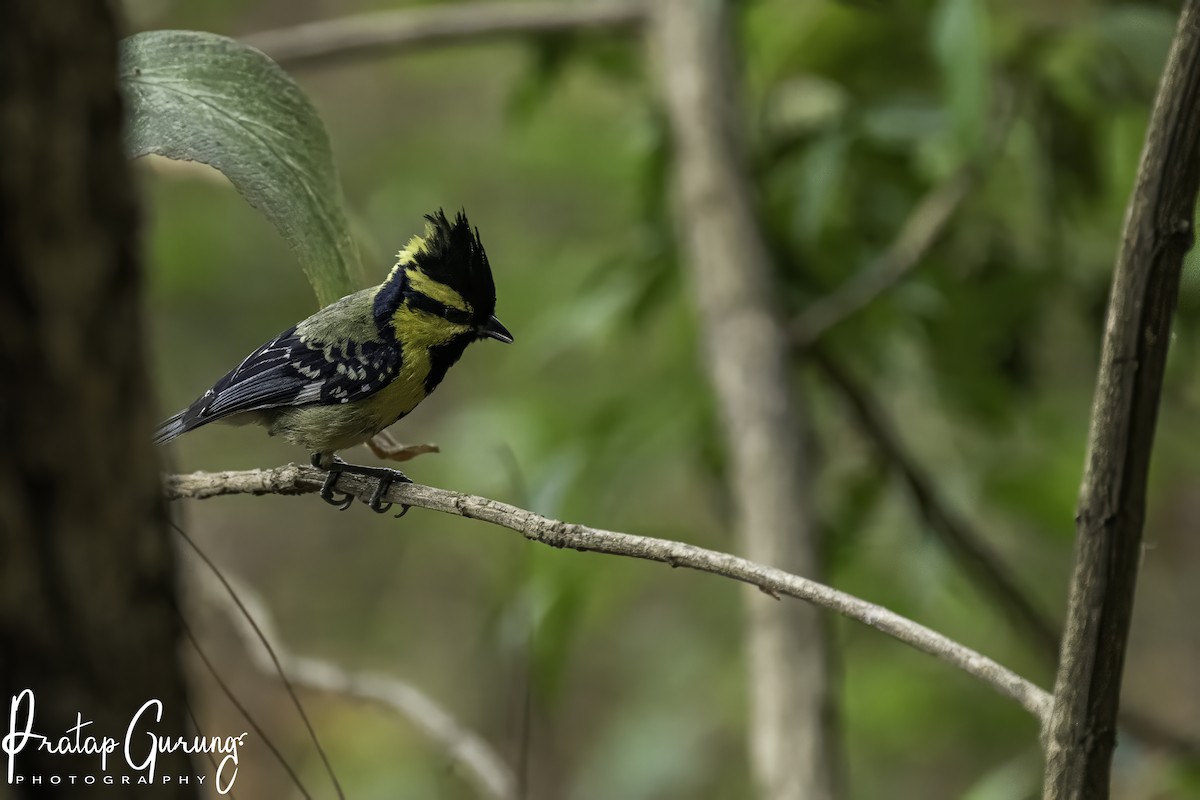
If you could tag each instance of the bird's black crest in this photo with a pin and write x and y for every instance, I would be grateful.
(454, 255)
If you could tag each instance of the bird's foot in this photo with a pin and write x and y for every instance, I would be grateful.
(387, 477)
(376, 503)
(335, 468)
(385, 446)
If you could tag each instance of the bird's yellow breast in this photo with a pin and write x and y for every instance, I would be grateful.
(418, 332)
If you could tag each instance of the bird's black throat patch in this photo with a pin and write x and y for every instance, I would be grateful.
(444, 356)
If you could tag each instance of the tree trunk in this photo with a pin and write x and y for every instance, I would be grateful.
(87, 609)
(793, 740)
(1137, 332)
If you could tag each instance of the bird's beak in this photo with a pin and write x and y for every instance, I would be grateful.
(494, 329)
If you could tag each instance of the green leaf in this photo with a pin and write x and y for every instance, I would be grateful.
(822, 184)
(960, 43)
(196, 96)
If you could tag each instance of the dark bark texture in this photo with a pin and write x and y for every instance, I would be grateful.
(87, 613)
(1158, 233)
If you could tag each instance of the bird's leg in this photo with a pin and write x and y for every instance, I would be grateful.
(385, 446)
(333, 464)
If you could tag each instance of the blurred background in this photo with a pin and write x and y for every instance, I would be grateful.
(595, 677)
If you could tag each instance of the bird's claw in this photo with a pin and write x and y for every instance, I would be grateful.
(376, 503)
(336, 466)
(328, 496)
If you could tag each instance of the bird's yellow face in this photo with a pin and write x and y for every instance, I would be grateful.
(421, 283)
(431, 313)
(444, 286)
(432, 320)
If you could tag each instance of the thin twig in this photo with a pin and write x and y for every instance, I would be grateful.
(414, 28)
(293, 479)
(209, 757)
(275, 667)
(482, 767)
(241, 707)
(924, 225)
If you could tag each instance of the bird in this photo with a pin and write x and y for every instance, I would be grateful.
(356, 366)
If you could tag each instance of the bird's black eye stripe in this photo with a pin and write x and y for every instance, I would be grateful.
(457, 316)
(424, 302)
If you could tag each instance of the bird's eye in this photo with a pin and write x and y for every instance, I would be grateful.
(457, 316)
(423, 302)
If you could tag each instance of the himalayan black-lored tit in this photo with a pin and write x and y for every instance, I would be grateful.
(358, 365)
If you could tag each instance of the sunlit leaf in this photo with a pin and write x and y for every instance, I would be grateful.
(196, 96)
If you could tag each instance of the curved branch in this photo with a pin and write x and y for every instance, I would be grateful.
(293, 479)
(413, 28)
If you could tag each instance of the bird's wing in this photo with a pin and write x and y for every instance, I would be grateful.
(289, 370)
(334, 356)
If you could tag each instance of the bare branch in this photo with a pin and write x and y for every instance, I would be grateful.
(481, 765)
(1158, 233)
(414, 28)
(293, 479)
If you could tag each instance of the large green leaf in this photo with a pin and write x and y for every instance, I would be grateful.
(201, 97)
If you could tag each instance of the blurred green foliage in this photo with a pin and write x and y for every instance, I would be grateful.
(613, 678)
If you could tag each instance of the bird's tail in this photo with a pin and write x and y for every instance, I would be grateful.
(187, 420)
(170, 428)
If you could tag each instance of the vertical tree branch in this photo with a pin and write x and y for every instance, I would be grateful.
(87, 613)
(791, 740)
(1158, 233)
